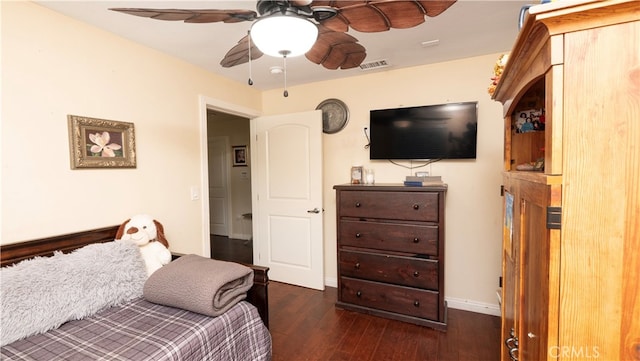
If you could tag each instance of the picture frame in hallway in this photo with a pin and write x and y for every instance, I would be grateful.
(101, 143)
(240, 155)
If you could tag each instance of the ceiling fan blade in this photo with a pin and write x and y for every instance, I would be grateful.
(239, 54)
(335, 50)
(192, 16)
(381, 15)
(435, 8)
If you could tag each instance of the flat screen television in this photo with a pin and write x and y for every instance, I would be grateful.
(443, 131)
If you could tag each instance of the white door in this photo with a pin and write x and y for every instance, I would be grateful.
(288, 204)
(218, 185)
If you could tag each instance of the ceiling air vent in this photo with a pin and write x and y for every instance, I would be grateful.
(374, 65)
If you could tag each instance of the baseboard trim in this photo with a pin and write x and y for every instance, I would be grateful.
(246, 237)
(331, 282)
(473, 306)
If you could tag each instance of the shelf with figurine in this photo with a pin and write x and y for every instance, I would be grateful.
(526, 136)
(529, 114)
(537, 166)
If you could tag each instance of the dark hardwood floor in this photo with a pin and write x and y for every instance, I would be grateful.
(230, 249)
(306, 325)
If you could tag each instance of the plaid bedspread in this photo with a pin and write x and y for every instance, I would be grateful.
(141, 330)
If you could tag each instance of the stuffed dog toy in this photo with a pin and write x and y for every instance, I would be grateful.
(148, 234)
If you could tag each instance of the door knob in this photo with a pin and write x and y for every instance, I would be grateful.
(315, 210)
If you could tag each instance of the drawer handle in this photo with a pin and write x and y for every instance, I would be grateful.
(416, 303)
(359, 294)
(358, 235)
(416, 206)
(416, 274)
(357, 265)
(416, 240)
(358, 204)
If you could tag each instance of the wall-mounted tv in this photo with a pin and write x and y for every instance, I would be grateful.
(443, 131)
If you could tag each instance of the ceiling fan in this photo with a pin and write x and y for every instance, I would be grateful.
(322, 34)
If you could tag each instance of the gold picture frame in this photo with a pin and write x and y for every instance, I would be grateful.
(101, 143)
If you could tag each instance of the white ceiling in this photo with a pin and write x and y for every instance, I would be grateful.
(468, 28)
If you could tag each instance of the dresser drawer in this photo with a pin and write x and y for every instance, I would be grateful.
(407, 271)
(409, 206)
(408, 238)
(404, 300)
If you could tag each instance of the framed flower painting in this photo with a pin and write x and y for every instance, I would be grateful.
(101, 143)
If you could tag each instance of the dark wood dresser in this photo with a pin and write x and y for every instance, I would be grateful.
(391, 252)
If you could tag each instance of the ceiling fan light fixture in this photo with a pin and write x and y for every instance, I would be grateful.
(280, 35)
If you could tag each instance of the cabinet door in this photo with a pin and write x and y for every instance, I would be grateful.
(510, 276)
(540, 272)
(537, 269)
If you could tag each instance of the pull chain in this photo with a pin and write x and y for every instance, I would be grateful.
(249, 42)
(284, 60)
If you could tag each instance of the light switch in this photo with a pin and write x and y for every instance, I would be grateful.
(195, 193)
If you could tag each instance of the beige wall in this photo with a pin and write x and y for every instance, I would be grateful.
(473, 204)
(54, 66)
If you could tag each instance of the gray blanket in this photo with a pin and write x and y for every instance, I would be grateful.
(42, 293)
(199, 284)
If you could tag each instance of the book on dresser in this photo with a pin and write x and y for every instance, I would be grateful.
(422, 183)
(417, 181)
(391, 252)
(433, 178)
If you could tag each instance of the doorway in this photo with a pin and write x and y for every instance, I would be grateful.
(266, 242)
(230, 218)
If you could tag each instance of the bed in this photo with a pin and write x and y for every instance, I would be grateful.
(139, 329)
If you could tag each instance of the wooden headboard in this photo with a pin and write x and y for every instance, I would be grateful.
(16, 252)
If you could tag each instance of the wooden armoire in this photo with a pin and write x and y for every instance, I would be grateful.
(571, 244)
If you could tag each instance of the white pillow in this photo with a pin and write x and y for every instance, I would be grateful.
(42, 293)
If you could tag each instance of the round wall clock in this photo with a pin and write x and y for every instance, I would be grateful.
(335, 115)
